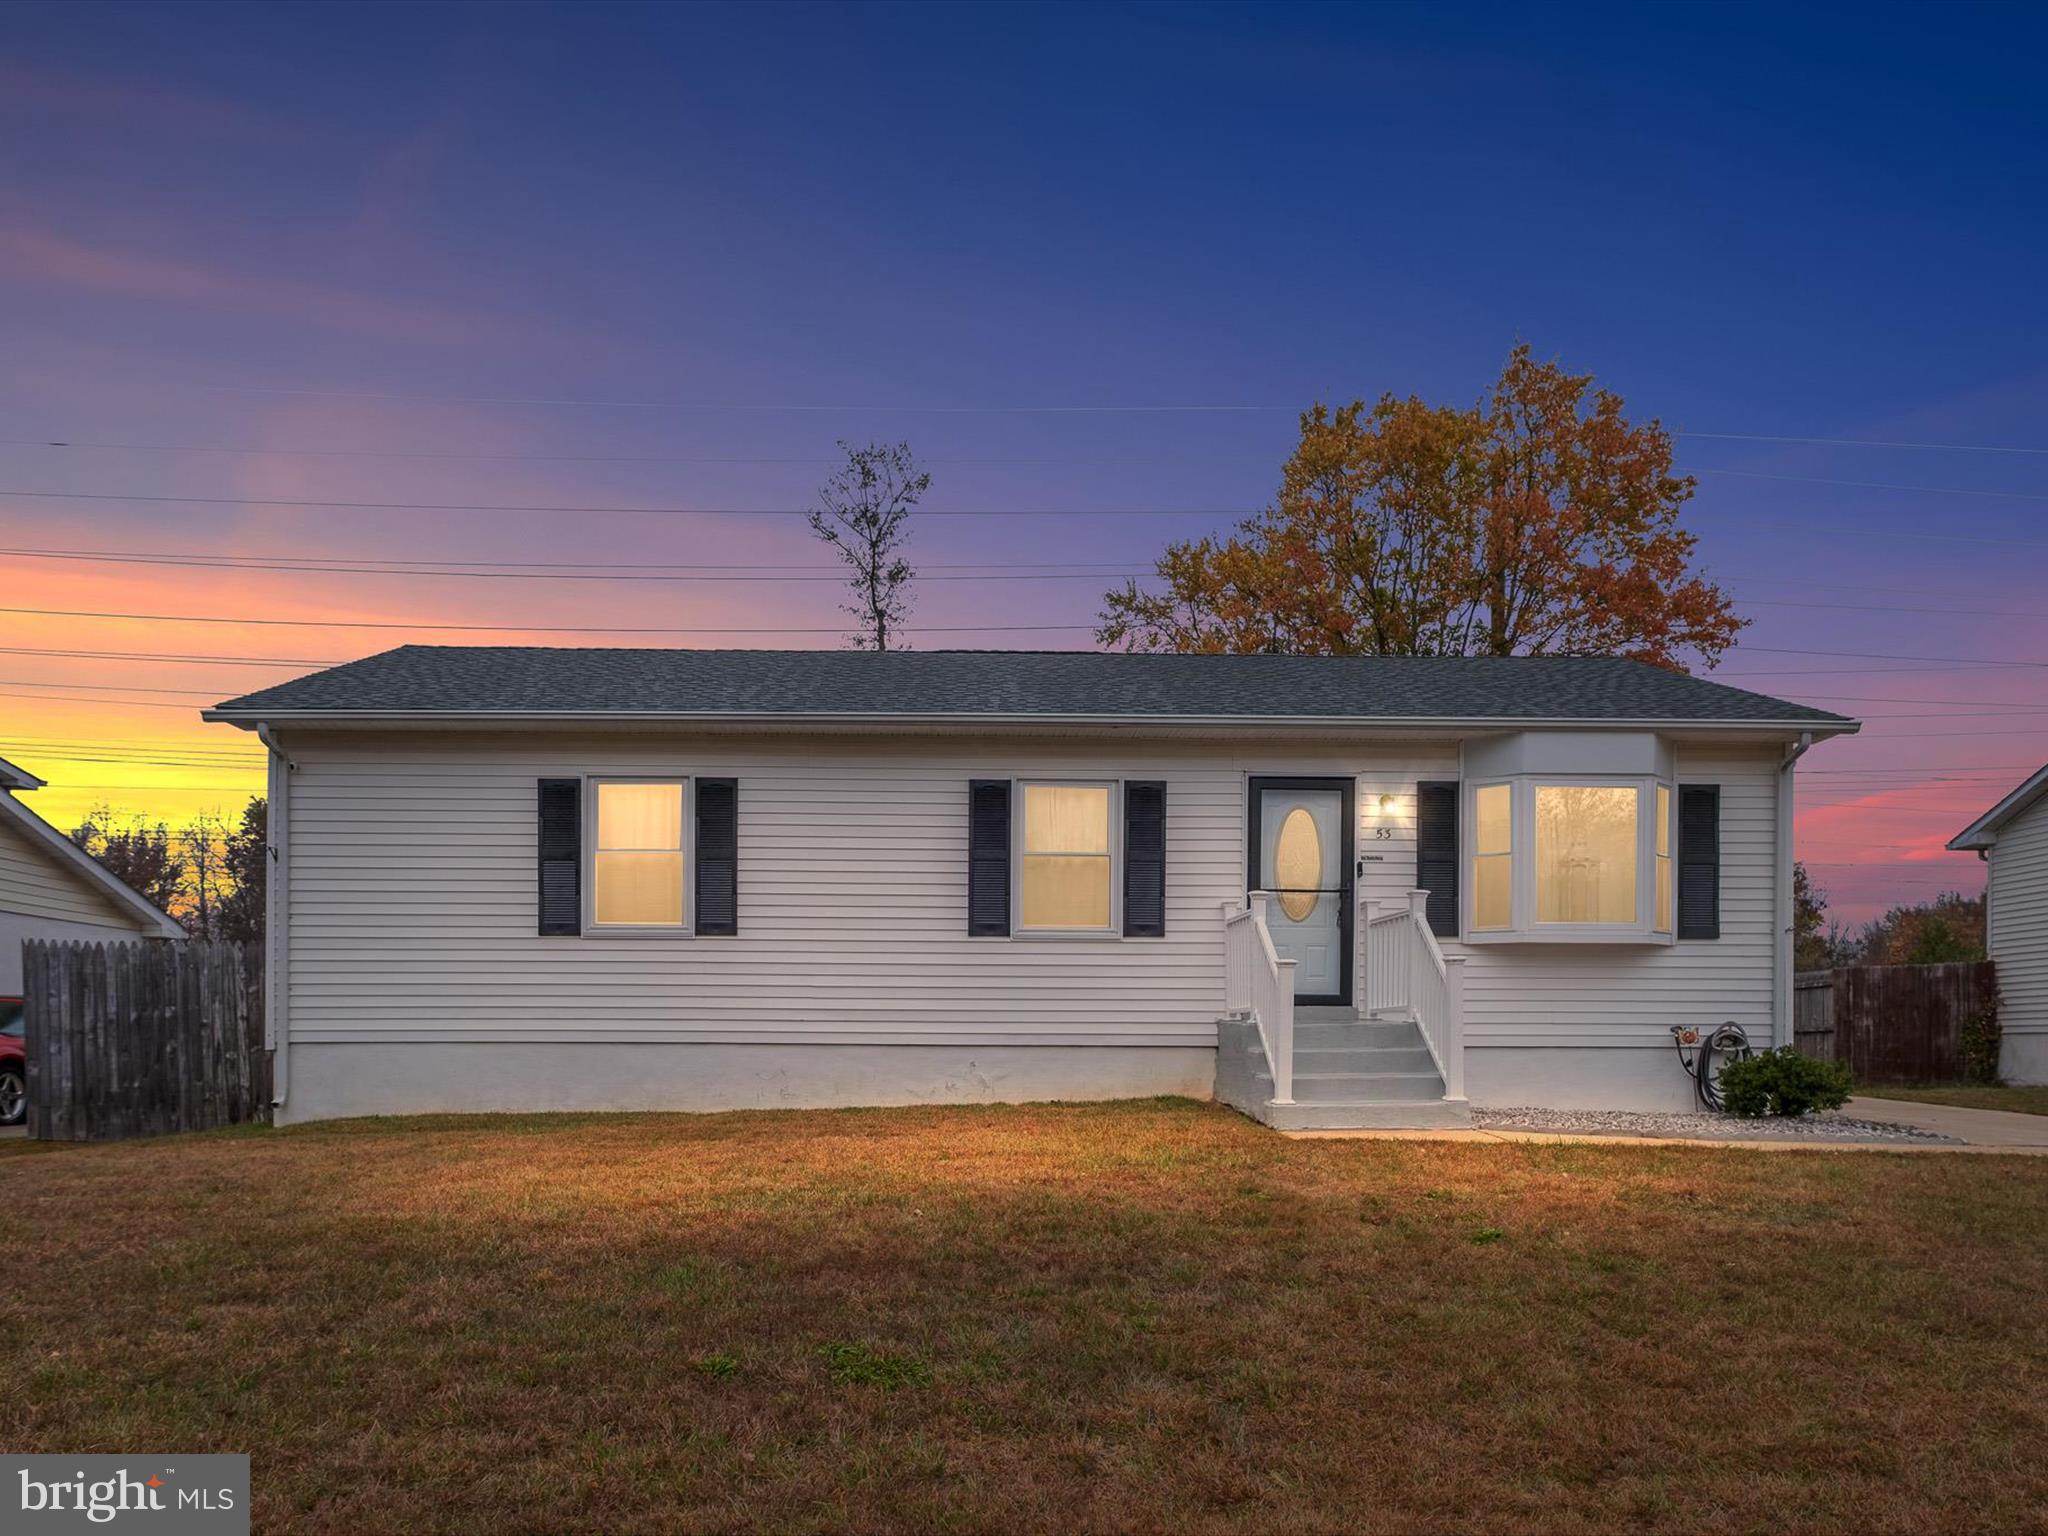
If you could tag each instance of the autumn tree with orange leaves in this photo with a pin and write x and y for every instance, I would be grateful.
(1538, 522)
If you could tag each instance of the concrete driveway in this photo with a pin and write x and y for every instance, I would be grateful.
(1978, 1127)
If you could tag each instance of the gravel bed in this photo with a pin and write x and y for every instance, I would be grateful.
(1705, 1127)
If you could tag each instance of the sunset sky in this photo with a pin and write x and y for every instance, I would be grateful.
(362, 287)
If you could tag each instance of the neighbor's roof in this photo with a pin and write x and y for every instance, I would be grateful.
(81, 865)
(12, 777)
(1983, 832)
(522, 682)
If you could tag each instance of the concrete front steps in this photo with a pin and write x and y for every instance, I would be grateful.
(1350, 1074)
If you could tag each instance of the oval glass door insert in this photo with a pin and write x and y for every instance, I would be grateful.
(1298, 862)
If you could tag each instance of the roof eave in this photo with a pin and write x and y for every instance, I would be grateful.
(1983, 832)
(249, 719)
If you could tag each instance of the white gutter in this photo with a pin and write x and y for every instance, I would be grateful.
(277, 920)
(1781, 959)
(971, 720)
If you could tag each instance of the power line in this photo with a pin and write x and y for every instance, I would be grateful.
(1795, 650)
(204, 661)
(680, 405)
(1784, 602)
(553, 629)
(1092, 566)
(311, 566)
(74, 444)
(1871, 485)
(1860, 442)
(563, 458)
(19, 682)
(156, 747)
(1024, 410)
(668, 511)
(87, 698)
(315, 565)
(488, 506)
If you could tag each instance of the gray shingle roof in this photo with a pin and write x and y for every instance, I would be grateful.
(535, 680)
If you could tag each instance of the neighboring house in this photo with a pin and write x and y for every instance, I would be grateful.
(511, 878)
(50, 888)
(2012, 839)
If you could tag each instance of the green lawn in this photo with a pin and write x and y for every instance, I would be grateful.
(2031, 1100)
(1150, 1316)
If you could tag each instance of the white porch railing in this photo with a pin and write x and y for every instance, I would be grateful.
(1407, 972)
(1259, 985)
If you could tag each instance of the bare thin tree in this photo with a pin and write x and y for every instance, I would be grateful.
(864, 512)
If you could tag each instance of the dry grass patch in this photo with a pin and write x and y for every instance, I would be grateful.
(1117, 1317)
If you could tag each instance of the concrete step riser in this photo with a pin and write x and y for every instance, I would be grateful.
(1351, 1037)
(1414, 1058)
(1391, 1088)
(1424, 1116)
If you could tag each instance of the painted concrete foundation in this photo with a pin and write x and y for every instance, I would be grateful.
(2024, 1059)
(1577, 1077)
(335, 1081)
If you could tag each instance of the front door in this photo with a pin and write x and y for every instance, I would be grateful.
(1300, 848)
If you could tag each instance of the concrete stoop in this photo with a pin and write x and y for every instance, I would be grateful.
(1350, 1073)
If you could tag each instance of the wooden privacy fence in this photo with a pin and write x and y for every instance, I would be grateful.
(1892, 1023)
(143, 1039)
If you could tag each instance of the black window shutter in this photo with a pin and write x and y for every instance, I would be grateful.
(988, 858)
(561, 855)
(718, 856)
(1144, 860)
(1699, 861)
(1436, 852)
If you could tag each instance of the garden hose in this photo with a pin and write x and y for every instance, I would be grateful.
(1728, 1042)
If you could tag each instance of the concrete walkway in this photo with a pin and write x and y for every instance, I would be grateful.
(1982, 1130)
(1978, 1127)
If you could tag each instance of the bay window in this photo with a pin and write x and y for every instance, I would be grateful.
(1571, 858)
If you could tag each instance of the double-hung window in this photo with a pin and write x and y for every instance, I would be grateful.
(1066, 881)
(1563, 858)
(639, 854)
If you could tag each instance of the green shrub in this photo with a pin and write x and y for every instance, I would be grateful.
(1977, 1044)
(1782, 1082)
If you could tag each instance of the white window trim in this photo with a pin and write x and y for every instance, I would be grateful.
(1523, 927)
(1018, 927)
(592, 928)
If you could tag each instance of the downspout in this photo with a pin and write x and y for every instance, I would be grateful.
(1781, 960)
(276, 921)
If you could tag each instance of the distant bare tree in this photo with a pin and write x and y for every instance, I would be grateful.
(864, 512)
(140, 853)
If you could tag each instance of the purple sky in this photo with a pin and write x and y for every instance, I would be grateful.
(664, 258)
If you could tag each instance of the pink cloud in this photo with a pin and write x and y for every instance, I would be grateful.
(37, 256)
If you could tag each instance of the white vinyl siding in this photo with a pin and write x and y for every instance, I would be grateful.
(413, 908)
(37, 882)
(412, 898)
(2017, 891)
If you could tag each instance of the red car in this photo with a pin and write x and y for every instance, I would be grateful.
(13, 1063)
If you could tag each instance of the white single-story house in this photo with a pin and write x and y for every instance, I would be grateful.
(50, 888)
(2012, 840)
(523, 878)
